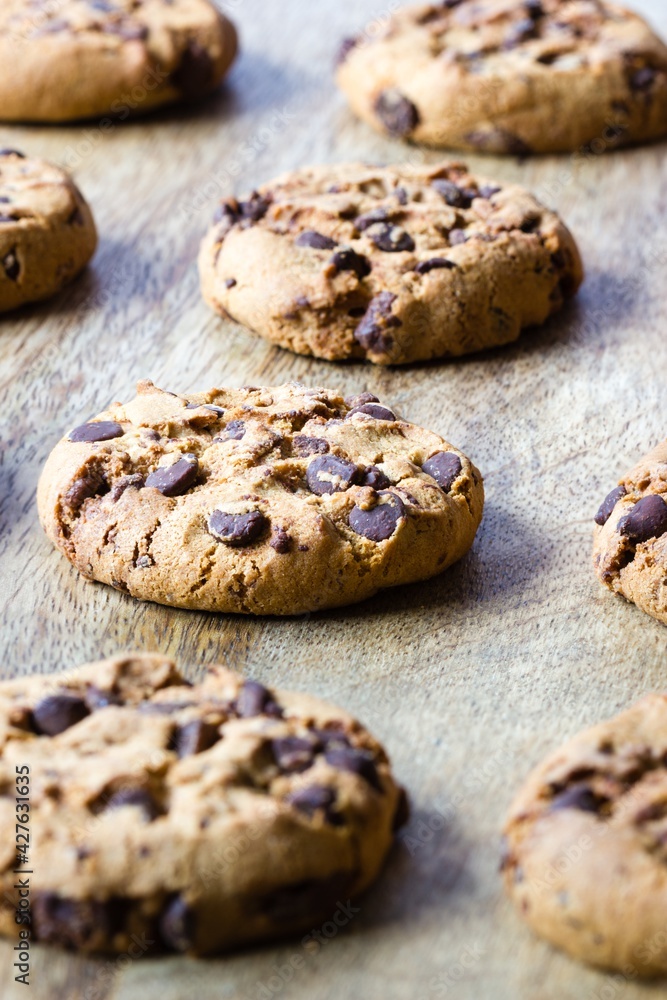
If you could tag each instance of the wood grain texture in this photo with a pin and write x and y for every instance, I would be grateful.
(468, 679)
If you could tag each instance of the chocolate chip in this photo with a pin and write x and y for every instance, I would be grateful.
(313, 799)
(487, 191)
(355, 761)
(178, 924)
(304, 445)
(328, 474)
(643, 79)
(317, 241)
(176, 479)
(230, 282)
(194, 75)
(255, 208)
(433, 264)
(456, 237)
(375, 478)
(234, 431)
(74, 923)
(57, 712)
(139, 797)
(498, 140)
(10, 262)
(445, 467)
(534, 9)
(360, 399)
(117, 490)
(363, 222)
(102, 430)
(344, 50)
(254, 699)
(453, 194)
(608, 504)
(97, 699)
(93, 484)
(350, 260)
(380, 522)
(392, 239)
(646, 520)
(372, 332)
(281, 541)
(293, 753)
(399, 116)
(373, 410)
(237, 529)
(580, 797)
(12, 152)
(195, 737)
(401, 195)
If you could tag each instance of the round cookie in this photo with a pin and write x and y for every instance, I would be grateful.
(630, 550)
(585, 859)
(503, 76)
(47, 232)
(82, 58)
(392, 264)
(198, 817)
(257, 500)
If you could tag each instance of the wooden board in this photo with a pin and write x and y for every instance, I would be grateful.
(469, 679)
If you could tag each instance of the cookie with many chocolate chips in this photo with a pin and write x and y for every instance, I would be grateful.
(586, 843)
(257, 500)
(505, 76)
(391, 264)
(196, 817)
(81, 58)
(630, 551)
(47, 232)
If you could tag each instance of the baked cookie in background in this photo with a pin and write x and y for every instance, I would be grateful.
(391, 264)
(505, 76)
(81, 58)
(47, 232)
(630, 550)
(202, 816)
(586, 852)
(257, 500)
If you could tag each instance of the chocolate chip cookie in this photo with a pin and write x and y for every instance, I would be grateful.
(189, 817)
(586, 856)
(505, 76)
(257, 500)
(47, 232)
(630, 551)
(81, 58)
(392, 264)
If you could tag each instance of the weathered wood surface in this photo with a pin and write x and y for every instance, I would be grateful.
(468, 679)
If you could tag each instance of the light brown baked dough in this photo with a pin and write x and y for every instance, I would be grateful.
(392, 264)
(505, 76)
(47, 232)
(71, 59)
(258, 500)
(586, 854)
(189, 817)
(630, 549)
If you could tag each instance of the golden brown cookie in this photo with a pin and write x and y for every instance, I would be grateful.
(258, 500)
(188, 817)
(71, 59)
(392, 264)
(47, 232)
(506, 76)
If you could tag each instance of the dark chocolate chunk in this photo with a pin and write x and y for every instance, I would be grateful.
(399, 116)
(281, 541)
(643, 79)
(391, 239)
(454, 195)
(10, 262)
(350, 260)
(356, 761)
(375, 478)
(178, 924)
(360, 399)
(313, 799)
(75, 924)
(139, 797)
(381, 521)
(93, 484)
(255, 208)
(363, 222)
(444, 467)
(176, 479)
(646, 520)
(433, 264)
(579, 797)
(117, 490)
(12, 152)
(237, 529)
(608, 504)
(230, 282)
(195, 737)
(487, 191)
(373, 410)
(57, 712)
(498, 140)
(534, 9)
(372, 333)
(234, 431)
(293, 753)
(304, 445)
(329, 474)
(456, 237)
(102, 430)
(196, 71)
(317, 241)
(254, 699)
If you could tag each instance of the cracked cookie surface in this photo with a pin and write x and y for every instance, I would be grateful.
(47, 232)
(586, 852)
(504, 76)
(390, 264)
(194, 817)
(257, 500)
(81, 58)
(630, 548)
